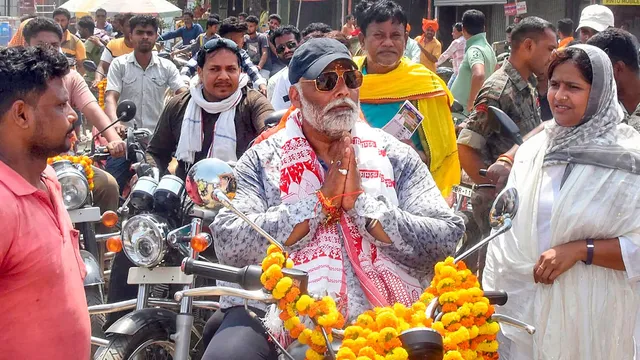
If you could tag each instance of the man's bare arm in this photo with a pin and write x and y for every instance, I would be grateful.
(477, 79)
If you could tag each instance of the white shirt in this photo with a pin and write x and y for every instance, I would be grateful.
(145, 87)
(279, 97)
(549, 192)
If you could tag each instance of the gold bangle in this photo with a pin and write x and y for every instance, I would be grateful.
(505, 159)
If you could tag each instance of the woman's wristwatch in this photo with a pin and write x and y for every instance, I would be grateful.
(590, 249)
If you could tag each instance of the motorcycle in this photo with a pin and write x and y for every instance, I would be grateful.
(155, 241)
(78, 201)
(212, 179)
(464, 192)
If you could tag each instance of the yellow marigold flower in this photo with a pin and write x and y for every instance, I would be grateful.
(312, 355)
(271, 259)
(289, 264)
(317, 338)
(418, 319)
(368, 352)
(453, 355)
(474, 332)
(353, 332)
(445, 284)
(438, 326)
(469, 354)
(448, 297)
(426, 297)
(400, 310)
(450, 318)
(465, 310)
(484, 329)
(459, 335)
(475, 293)
(273, 249)
(277, 294)
(493, 327)
(403, 325)
(397, 354)
(365, 320)
(363, 358)
(291, 323)
(329, 301)
(379, 357)
(449, 271)
(274, 272)
(284, 284)
(419, 306)
(386, 319)
(488, 346)
(349, 343)
(480, 308)
(359, 343)
(305, 336)
(345, 354)
(387, 334)
(303, 303)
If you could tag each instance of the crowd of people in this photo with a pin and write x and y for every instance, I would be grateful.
(570, 263)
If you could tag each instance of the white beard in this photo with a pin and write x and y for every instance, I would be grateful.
(332, 123)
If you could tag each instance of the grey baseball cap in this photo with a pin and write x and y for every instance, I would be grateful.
(312, 57)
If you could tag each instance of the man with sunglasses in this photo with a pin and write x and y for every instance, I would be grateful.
(373, 186)
(392, 79)
(285, 40)
(102, 23)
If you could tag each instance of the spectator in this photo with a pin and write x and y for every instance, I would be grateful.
(198, 11)
(116, 47)
(18, 38)
(286, 40)
(316, 28)
(565, 32)
(257, 46)
(188, 32)
(517, 19)
(411, 51)
(430, 47)
(349, 26)
(594, 19)
(243, 16)
(102, 23)
(479, 60)
(213, 24)
(274, 22)
(93, 45)
(455, 52)
(71, 46)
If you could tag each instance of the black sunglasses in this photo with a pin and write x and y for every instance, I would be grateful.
(289, 44)
(327, 81)
(220, 43)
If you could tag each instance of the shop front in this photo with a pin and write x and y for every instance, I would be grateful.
(626, 14)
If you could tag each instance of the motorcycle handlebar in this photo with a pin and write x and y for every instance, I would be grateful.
(247, 277)
(498, 297)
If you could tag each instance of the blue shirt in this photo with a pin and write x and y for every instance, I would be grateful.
(186, 34)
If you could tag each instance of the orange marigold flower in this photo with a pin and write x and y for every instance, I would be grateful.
(449, 307)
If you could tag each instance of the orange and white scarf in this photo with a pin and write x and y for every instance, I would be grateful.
(301, 175)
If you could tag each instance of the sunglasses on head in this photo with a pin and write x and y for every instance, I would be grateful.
(328, 80)
(215, 44)
(289, 44)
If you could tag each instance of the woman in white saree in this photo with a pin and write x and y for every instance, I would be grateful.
(572, 259)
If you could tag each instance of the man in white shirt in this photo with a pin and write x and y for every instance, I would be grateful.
(143, 78)
(286, 40)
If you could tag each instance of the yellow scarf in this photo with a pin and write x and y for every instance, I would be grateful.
(411, 81)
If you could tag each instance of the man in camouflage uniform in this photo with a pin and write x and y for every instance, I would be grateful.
(512, 89)
(622, 49)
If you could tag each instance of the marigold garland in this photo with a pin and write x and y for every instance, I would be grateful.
(102, 86)
(84, 161)
(467, 332)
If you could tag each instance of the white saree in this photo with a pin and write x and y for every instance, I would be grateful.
(589, 312)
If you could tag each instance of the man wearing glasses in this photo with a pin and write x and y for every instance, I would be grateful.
(379, 192)
(102, 23)
(285, 40)
(224, 114)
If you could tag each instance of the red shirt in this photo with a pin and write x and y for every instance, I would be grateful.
(43, 311)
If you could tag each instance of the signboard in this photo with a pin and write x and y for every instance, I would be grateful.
(510, 10)
(521, 7)
(620, 2)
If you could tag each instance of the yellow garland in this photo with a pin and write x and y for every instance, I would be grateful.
(102, 86)
(467, 333)
(85, 161)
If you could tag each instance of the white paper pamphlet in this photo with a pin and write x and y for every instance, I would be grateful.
(405, 122)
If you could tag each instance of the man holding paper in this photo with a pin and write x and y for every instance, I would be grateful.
(389, 81)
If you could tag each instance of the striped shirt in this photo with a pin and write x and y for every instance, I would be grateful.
(455, 52)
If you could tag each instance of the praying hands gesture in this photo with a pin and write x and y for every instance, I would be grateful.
(342, 184)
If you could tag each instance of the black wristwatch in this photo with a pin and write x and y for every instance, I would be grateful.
(590, 249)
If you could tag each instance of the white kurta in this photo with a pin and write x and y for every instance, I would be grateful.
(589, 312)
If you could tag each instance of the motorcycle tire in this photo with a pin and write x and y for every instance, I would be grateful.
(122, 347)
(97, 321)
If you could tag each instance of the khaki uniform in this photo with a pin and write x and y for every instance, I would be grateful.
(517, 97)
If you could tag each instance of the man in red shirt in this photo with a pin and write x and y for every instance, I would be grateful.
(43, 311)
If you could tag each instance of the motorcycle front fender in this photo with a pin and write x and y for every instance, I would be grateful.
(134, 321)
(94, 271)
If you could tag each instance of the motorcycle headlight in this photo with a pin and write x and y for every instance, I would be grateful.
(143, 240)
(74, 184)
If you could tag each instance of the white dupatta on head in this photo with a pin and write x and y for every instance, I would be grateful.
(589, 312)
